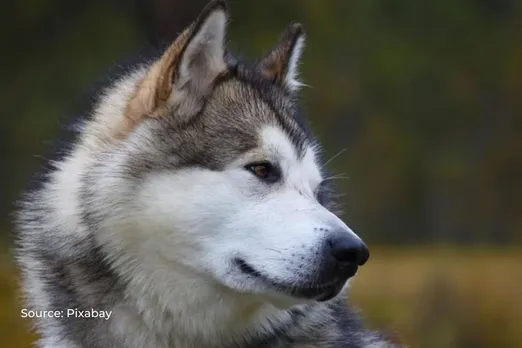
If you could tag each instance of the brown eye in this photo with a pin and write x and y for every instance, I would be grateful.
(265, 171)
(261, 171)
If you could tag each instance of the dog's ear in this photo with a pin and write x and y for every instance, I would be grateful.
(281, 63)
(202, 58)
(187, 69)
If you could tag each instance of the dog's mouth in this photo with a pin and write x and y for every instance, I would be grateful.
(318, 291)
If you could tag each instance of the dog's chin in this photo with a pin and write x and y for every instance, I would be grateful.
(288, 293)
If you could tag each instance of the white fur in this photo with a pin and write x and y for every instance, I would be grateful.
(291, 78)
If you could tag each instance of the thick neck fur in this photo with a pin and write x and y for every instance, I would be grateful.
(202, 315)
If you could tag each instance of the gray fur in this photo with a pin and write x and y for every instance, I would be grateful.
(71, 259)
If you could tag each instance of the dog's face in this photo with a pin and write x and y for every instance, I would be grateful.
(217, 176)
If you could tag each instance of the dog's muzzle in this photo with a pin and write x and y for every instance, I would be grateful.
(342, 253)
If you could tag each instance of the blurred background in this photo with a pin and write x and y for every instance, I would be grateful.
(420, 101)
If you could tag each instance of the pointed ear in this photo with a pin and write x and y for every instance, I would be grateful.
(187, 69)
(281, 64)
(202, 58)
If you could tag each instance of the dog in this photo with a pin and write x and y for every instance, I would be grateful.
(193, 210)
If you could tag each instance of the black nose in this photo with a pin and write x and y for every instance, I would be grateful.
(348, 248)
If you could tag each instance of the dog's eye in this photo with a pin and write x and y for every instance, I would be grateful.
(265, 171)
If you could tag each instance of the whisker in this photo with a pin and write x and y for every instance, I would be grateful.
(334, 156)
(335, 177)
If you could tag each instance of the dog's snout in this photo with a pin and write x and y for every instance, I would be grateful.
(348, 248)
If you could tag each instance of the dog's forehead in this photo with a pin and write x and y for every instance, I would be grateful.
(232, 123)
(277, 144)
(249, 108)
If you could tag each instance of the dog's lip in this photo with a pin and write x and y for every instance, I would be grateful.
(319, 292)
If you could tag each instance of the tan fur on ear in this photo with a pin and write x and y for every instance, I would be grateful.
(280, 64)
(185, 69)
(154, 90)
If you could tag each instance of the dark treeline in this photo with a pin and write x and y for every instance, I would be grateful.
(424, 99)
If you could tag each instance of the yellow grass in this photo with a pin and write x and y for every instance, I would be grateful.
(428, 298)
(449, 298)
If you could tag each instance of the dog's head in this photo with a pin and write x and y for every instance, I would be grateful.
(211, 171)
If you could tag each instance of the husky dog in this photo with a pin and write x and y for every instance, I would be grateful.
(193, 209)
